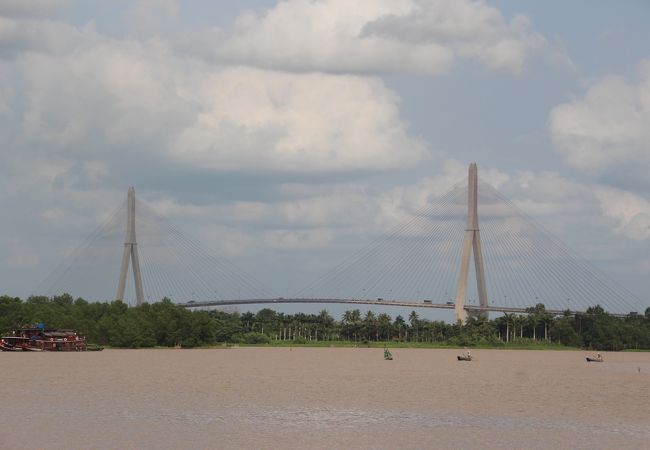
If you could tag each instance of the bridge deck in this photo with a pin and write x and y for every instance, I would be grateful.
(400, 303)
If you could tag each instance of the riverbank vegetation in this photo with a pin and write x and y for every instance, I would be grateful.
(165, 324)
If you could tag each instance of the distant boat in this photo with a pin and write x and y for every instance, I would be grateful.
(597, 358)
(40, 339)
(464, 357)
(387, 355)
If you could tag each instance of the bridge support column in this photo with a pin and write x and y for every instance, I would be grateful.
(130, 250)
(472, 241)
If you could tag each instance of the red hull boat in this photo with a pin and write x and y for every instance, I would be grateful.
(41, 339)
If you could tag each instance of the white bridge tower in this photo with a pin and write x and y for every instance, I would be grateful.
(471, 242)
(130, 251)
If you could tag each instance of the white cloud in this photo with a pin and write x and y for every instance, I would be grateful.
(379, 35)
(547, 194)
(471, 29)
(631, 211)
(402, 202)
(19, 254)
(152, 16)
(21, 35)
(334, 205)
(227, 241)
(335, 213)
(31, 8)
(292, 240)
(112, 97)
(569, 209)
(121, 96)
(308, 214)
(608, 129)
(261, 120)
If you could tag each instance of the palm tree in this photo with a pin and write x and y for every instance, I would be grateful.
(383, 322)
(413, 319)
(326, 324)
(546, 319)
(509, 319)
(533, 320)
(399, 324)
(518, 321)
(348, 323)
(369, 324)
(356, 322)
(248, 320)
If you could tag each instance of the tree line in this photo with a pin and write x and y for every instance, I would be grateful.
(165, 324)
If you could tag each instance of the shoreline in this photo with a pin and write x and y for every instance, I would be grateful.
(374, 345)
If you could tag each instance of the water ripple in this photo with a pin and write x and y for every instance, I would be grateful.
(352, 418)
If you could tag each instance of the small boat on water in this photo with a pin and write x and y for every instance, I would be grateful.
(40, 339)
(597, 358)
(465, 356)
(387, 355)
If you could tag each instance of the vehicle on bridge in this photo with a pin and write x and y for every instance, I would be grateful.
(427, 301)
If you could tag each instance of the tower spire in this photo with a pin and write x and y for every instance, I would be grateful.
(130, 250)
(471, 242)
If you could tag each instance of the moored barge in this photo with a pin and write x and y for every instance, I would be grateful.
(41, 339)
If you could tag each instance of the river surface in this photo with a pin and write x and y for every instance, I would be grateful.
(295, 398)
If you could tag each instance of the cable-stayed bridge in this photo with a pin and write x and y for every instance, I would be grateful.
(471, 250)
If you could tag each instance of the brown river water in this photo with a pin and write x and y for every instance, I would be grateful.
(282, 398)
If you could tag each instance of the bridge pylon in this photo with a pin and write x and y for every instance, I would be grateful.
(130, 251)
(472, 241)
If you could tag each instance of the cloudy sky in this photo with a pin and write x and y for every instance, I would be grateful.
(286, 135)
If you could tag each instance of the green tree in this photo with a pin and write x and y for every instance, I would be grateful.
(370, 326)
(399, 324)
(384, 326)
(415, 323)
